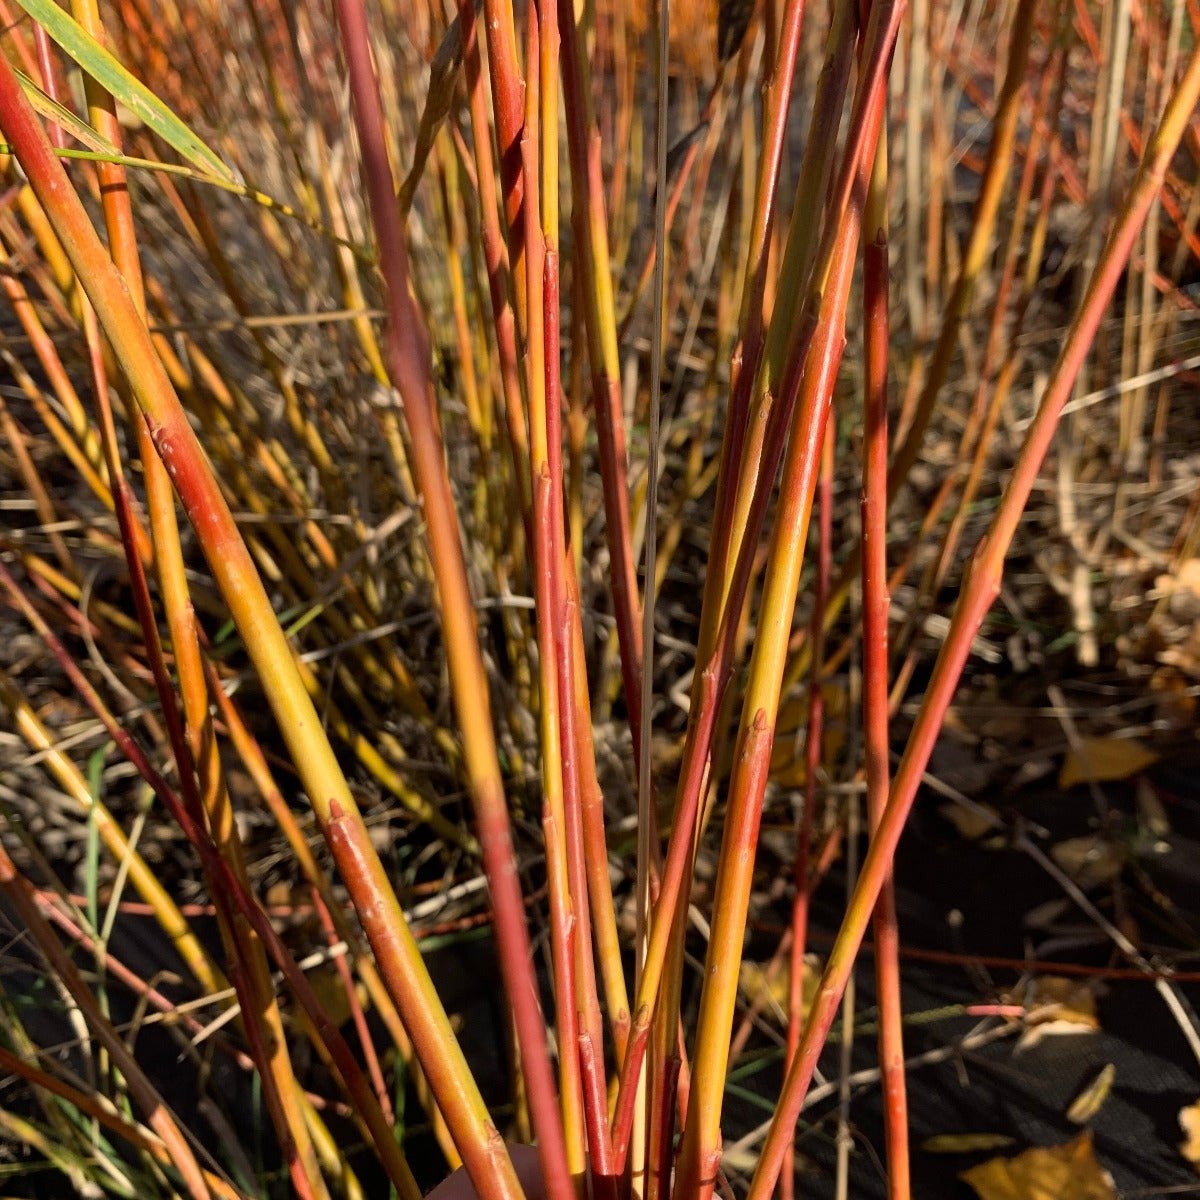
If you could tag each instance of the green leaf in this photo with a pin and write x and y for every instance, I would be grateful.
(246, 191)
(50, 108)
(124, 87)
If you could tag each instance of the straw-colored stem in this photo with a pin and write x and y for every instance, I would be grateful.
(260, 1012)
(557, 737)
(991, 190)
(998, 164)
(593, 264)
(713, 678)
(748, 782)
(564, 617)
(759, 415)
(752, 319)
(980, 588)
(230, 562)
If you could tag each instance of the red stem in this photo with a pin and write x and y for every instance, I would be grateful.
(875, 679)
(408, 358)
(981, 585)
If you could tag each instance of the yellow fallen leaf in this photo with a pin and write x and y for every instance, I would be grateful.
(1189, 1122)
(771, 992)
(1101, 760)
(1068, 1172)
(965, 1143)
(331, 992)
(1091, 1098)
(788, 766)
(793, 712)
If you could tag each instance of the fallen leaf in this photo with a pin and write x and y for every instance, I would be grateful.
(771, 992)
(789, 768)
(1186, 578)
(1072, 998)
(1068, 1172)
(331, 992)
(972, 822)
(1058, 1006)
(1091, 1098)
(1171, 687)
(1189, 1122)
(1188, 575)
(1047, 915)
(965, 1143)
(1090, 861)
(279, 895)
(1102, 760)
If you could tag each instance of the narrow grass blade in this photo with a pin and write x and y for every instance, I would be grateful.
(134, 95)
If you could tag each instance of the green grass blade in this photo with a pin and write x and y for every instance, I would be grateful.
(125, 88)
(109, 154)
(49, 108)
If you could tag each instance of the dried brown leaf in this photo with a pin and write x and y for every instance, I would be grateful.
(1103, 760)
(1090, 861)
(1058, 1006)
(1068, 1172)
(974, 822)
